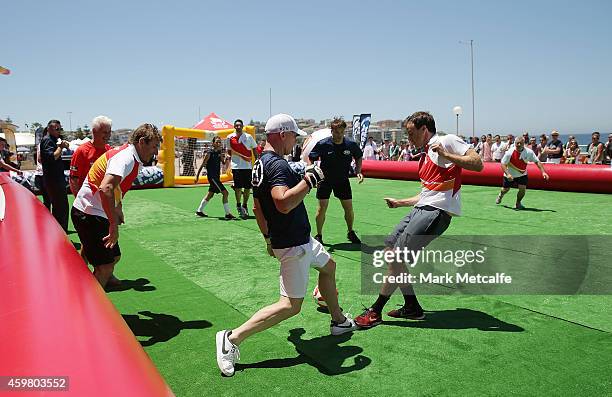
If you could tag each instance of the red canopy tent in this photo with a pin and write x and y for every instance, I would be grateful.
(212, 122)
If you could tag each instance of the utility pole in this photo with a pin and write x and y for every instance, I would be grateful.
(270, 103)
(471, 43)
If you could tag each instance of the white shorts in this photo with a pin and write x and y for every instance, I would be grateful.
(554, 161)
(295, 262)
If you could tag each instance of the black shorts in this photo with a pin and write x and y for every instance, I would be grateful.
(242, 179)
(341, 189)
(521, 180)
(215, 186)
(92, 229)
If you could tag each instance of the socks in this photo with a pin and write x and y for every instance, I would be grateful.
(410, 300)
(380, 303)
(226, 208)
(202, 205)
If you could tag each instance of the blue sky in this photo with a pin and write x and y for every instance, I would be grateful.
(538, 65)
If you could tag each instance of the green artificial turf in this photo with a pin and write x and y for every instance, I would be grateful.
(188, 277)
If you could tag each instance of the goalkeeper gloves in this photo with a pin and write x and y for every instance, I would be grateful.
(313, 175)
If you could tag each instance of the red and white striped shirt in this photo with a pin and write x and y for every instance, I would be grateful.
(441, 178)
(122, 161)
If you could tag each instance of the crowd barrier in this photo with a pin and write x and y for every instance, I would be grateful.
(55, 319)
(563, 177)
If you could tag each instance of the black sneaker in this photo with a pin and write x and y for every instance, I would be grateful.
(245, 210)
(353, 237)
(201, 214)
(412, 313)
(229, 217)
(319, 238)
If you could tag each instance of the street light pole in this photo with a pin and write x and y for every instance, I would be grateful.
(270, 103)
(457, 110)
(471, 43)
(473, 110)
(457, 124)
(70, 120)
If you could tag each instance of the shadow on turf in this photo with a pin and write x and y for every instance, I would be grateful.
(459, 319)
(140, 285)
(330, 355)
(159, 327)
(343, 247)
(528, 209)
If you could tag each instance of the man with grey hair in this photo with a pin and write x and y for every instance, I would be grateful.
(86, 154)
(84, 157)
(97, 210)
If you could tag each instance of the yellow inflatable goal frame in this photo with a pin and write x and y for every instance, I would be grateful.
(166, 156)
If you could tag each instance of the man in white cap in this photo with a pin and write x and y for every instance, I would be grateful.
(278, 194)
(554, 149)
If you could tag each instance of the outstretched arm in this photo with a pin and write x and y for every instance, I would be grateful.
(407, 202)
(541, 167)
(9, 167)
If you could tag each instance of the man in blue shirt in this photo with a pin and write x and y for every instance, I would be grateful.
(54, 179)
(278, 194)
(336, 154)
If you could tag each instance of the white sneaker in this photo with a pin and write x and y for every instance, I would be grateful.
(347, 326)
(227, 353)
(245, 210)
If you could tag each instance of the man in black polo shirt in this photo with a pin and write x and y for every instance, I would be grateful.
(336, 154)
(53, 172)
(278, 194)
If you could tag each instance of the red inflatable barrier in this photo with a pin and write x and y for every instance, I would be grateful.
(55, 320)
(563, 177)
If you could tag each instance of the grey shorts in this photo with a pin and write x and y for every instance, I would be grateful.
(420, 227)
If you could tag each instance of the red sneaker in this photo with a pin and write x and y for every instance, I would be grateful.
(368, 319)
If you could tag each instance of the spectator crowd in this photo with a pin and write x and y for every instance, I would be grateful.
(491, 148)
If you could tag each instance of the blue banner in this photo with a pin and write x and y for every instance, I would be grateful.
(364, 125)
(356, 127)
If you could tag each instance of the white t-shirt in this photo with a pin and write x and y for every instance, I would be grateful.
(526, 155)
(498, 150)
(239, 163)
(442, 187)
(369, 153)
(122, 162)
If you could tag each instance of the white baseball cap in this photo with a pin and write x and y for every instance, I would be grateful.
(281, 123)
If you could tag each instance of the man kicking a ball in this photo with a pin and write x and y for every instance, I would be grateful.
(212, 161)
(283, 221)
(514, 166)
(439, 200)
